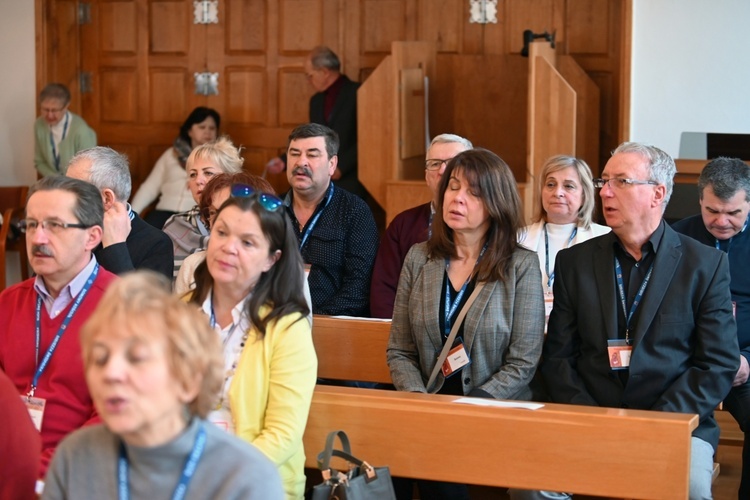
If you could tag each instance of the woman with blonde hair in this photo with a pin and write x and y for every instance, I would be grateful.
(153, 366)
(564, 209)
(189, 230)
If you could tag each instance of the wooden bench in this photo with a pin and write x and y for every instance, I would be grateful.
(351, 349)
(578, 449)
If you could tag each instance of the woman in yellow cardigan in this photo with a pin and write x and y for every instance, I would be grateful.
(246, 286)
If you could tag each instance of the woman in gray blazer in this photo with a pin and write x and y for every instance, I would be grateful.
(472, 242)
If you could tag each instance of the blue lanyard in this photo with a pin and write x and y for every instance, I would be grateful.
(312, 223)
(451, 306)
(55, 154)
(41, 366)
(551, 277)
(123, 486)
(638, 296)
(729, 245)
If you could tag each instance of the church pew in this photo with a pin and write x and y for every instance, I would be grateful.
(585, 450)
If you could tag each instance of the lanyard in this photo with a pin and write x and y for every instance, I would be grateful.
(451, 306)
(729, 245)
(41, 366)
(429, 225)
(638, 296)
(123, 488)
(551, 277)
(55, 154)
(311, 224)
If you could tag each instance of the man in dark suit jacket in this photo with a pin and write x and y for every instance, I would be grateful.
(128, 242)
(642, 316)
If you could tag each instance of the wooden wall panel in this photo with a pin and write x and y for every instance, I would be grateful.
(167, 27)
(64, 47)
(168, 90)
(382, 22)
(442, 21)
(586, 33)
(246, 96)
(536, 15)
(293, 109)
(118, 85)
(295, 14)
(118, 28)
(245, 26)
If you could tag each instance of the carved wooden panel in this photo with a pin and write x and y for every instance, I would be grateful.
(246, 95)
(118, 27)
(442, 21)
(586, 27)
(300, 25)
(382, 22)
(64, 47)
(245, 22)
(294, 97)
(118, 94)
(167, 93)
(168, 26)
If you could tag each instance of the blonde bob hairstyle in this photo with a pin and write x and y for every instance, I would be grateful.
(220, 152)
(561, 162)
(140, 305)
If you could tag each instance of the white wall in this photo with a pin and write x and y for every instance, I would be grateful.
(691, 69)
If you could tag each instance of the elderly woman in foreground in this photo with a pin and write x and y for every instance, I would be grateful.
(153, 367)
(472, 262)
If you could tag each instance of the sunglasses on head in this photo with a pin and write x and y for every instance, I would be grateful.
(267, 201)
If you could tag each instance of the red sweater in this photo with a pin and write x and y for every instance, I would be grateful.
(20, 444)
(62, 384)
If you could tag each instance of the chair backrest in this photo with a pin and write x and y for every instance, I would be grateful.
(12, 202)
(13, 197)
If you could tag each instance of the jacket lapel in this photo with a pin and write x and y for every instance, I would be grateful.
(665, 265)
(474, 314)
(433, 285)
(604, 273)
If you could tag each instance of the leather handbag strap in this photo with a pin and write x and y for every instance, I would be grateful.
(324, 457)
(454, 331)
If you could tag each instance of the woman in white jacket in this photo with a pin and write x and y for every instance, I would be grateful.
(562, 216)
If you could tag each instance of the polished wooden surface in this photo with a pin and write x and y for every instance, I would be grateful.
(351, 349)
(588, 450)
(12, 203)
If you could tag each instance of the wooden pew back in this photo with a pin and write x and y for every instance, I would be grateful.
(351, 349)
(577, 449)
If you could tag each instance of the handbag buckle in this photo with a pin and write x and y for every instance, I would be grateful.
(370, 473)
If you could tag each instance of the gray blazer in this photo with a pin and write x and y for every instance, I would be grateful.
(503, 329)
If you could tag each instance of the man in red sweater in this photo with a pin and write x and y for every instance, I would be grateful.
(41, 317)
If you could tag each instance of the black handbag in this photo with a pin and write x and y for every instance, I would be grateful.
(361, 482)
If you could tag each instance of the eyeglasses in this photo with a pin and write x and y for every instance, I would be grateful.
(49, 225)
(267, 201)
(435, 164)
(620, 183)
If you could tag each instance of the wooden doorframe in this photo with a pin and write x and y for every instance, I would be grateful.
(626, 61)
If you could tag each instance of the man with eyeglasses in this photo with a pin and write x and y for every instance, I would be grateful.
(41, 317)
(642, 316)
(724, 197)
(410, 227)
(58, 133)
(128, 242)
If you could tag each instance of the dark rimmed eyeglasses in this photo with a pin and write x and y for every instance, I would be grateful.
(266, 200)
(621, 183)
(49, 225)
(435, 164)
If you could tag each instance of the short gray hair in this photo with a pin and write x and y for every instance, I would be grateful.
(726, 176)
(323, 57)
(109, 170)
(451, 138)
(661, 166)
(89, 208)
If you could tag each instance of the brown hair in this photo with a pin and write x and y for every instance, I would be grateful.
(141, 305)
(492, 179)
(221, 181)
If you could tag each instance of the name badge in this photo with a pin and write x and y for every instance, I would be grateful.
(35, 407)
(619, 353)
(457, 358)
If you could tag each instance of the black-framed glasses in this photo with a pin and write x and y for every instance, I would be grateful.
(49, 225)
(621, 183)
(266, 200)
(435, 164)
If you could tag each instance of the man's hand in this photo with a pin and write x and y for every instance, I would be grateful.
(116, 225)
(742, 373)
(275, 166)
